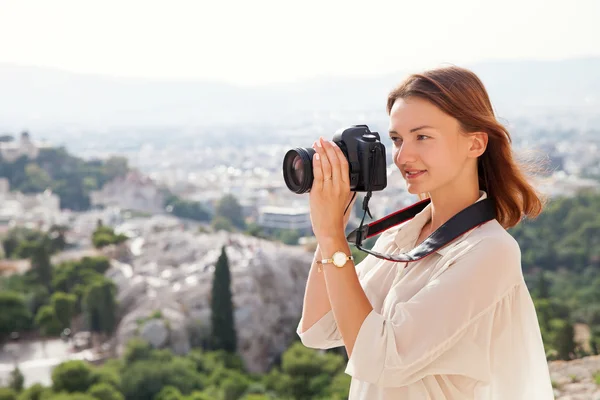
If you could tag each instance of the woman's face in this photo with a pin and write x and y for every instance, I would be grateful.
(429, 148)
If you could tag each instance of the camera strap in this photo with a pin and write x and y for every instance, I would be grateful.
(470, 218)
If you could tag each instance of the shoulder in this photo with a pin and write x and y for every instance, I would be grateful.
(494, 238)
(490, 251)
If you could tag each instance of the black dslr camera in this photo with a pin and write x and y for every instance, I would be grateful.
(363, 150)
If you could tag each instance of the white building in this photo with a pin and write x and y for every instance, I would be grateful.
(12, 151)
(40, 210)
(294, 218)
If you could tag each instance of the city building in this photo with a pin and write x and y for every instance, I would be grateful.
(272, 218)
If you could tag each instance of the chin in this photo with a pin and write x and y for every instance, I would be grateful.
(416, 188)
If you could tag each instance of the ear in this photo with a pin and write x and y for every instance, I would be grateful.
(479, 141)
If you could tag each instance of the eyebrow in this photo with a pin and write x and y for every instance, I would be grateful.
(418, 128)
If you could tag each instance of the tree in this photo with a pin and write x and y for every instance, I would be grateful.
(145, 379)
(563, 340)
(100, 306)
(115, 166)
(542, 286)
(104, 236)
(36, 392)
(305, 373)
(14, 316)
(16, 380)
(169, 393)
(231, 209)
(7, 394)
(72, 376)
(222, 224)
(289, 236)
(47, 321)
(40, 263)
(222, 317)
(64, 307)
(104, 391)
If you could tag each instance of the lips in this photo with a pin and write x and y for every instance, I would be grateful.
(412, 174)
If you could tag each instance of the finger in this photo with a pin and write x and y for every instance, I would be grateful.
(317, 173)
(325, 164)
(344, 167)
(333, 160)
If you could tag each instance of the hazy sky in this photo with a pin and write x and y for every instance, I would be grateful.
(257, 41)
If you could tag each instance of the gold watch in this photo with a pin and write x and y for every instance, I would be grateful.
(338, 259)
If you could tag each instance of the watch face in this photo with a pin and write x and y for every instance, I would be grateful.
(339, 259)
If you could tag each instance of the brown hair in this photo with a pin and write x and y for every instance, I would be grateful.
(461, 94)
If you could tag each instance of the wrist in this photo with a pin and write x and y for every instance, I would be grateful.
(330, 244)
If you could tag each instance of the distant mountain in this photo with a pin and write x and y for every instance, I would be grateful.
(35, 97)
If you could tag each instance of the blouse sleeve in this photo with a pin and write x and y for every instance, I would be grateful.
(436, 331)
(324, 334)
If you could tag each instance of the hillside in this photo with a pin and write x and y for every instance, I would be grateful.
(42, 97)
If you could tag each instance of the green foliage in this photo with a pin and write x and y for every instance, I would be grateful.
(223, 324)
(169, 393)
(253, 229)
(146, 373)
(104, 391)
(71, 178)
(305, 373)
(562, 338)
(70, 274)
(16, 379)
(14, 316)
(64, 307)
(40, 263)
(566, 234)
(137, 350)
(108, 373)
(72, 376)
(36, 392)
(288, 236)
(229, 208)
(8, 394)
(220, 223)
(145, 379)
(47, 321)
(105, 236)
(186, 209)
(19, 242)
(71, 396)
(100, 306)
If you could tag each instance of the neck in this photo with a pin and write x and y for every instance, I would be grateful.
(446, 203)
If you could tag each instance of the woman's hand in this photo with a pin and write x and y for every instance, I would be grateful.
(330, 192)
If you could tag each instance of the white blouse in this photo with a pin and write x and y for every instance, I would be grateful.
(458, 324)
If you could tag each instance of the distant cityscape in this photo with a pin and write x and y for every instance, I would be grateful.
(251, 171)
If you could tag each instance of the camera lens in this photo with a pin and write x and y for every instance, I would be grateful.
(297, 169)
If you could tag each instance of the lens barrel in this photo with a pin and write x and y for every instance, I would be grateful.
(297, 169)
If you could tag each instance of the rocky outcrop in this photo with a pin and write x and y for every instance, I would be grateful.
(576, 379)
(164, 294)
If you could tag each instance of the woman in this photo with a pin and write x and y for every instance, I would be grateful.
(459, 323)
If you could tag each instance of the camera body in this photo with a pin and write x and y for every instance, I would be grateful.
(366, 157)
(363, 150)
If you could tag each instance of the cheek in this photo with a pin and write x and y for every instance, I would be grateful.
(440, 159)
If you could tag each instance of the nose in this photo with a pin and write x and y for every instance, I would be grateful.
(405, 154)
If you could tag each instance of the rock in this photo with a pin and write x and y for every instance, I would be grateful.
(155, 332)
(172, 275)
(575, 379)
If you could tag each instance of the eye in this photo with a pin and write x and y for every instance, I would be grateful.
(422, 137)
(396, 139)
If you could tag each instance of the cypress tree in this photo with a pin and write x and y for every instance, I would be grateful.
(223, 325)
